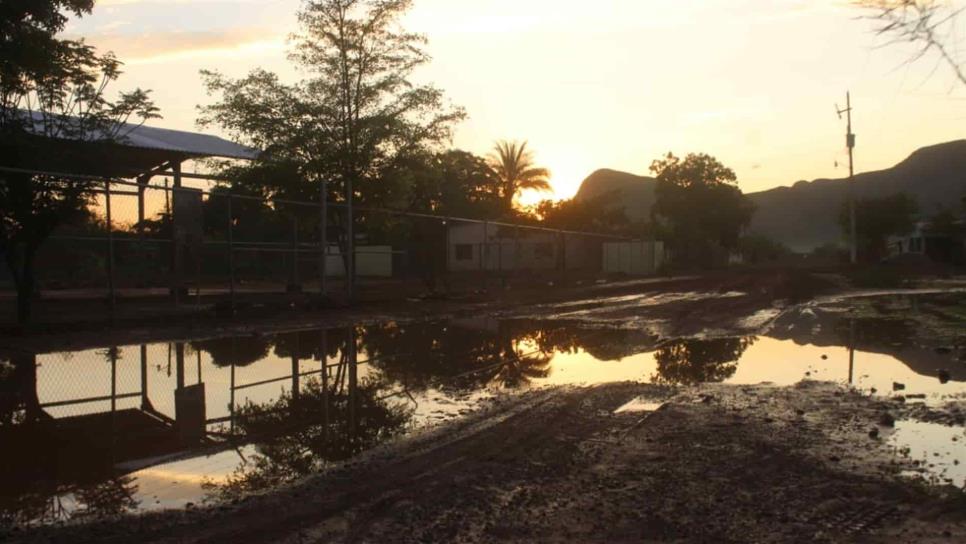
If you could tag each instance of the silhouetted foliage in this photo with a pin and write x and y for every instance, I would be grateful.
(699, 208)
(51, 90)
(692, 361)
(757, 249)
(355, 120)
(238, 351)
(515, 171)
(876, 219)
(927, 24)
(454, 183)
(297, 435)
(595, 215)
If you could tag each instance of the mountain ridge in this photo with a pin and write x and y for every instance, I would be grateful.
(798, 214)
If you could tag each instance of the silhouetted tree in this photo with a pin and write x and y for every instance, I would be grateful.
(454, 183)
(927, 24)
(51, 90)
(699, 207)
(594, 214)
(693, 361)
(515, 171)
(756, 249)
(877, 218)
(354, 120)
(238, 351)
(297, 435)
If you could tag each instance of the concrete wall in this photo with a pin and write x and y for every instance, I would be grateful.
(371, 261)
(633, 258)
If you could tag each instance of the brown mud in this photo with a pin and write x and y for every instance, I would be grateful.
(714, 463)
(760, 289)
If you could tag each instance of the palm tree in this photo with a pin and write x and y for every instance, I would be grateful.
(513, 165)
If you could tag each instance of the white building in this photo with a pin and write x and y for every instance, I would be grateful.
(486, 247)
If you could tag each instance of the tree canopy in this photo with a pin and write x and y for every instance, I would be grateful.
(516, 171)
(699, 207)
(355, 118)
(878, 218)
(51, 90)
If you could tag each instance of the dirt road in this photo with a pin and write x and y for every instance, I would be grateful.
(714, 463)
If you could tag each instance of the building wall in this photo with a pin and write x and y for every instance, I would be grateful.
(478, 247)
(371, 261)
(634, 258)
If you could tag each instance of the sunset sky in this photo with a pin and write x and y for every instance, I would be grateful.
(603, 84)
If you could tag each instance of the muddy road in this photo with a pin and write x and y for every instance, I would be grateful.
(712, 463)
(666, 457)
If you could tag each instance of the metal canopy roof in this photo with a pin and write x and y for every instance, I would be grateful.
(176, 142)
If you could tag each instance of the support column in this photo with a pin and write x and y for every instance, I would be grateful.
(145, 402)
(110, 249)
(177, 261)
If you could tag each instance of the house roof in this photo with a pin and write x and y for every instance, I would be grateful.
(179, 142)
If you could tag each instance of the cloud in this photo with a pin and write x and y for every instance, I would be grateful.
(145, 47)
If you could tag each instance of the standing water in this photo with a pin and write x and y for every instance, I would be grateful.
(166, 425)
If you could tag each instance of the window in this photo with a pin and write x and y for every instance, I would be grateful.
(464, 252)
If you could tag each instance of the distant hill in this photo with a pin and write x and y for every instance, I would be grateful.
(634, 193)
(803, 216)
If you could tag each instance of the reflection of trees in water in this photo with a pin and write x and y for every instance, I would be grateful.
(108, 497)
(239, 350)
(692, 361)
(48, 502)
(298, 435)
(874, 333)
(18, 391)
(249, 349)
(447, 355)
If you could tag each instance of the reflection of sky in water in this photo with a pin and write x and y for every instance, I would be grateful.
(782, 362)
(939, 449)
(87, 374)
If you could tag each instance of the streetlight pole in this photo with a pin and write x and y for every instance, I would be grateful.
(850, 143)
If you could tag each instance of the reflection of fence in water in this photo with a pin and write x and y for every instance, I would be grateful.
(91, 381)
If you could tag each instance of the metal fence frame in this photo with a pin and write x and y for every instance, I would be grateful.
(294, 248)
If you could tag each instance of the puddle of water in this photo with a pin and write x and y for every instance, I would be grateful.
(938, 450)
(639, 404)
(161, 425)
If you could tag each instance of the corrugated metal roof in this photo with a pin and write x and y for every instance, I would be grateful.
(162, 139)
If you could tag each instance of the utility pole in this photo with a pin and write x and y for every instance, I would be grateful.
(850, 143)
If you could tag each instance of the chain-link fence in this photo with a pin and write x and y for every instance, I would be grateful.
(190, 247)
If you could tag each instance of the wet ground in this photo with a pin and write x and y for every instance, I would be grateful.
(214, 420)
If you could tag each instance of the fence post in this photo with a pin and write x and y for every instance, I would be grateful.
(142, 260)
(323, 237)
(231, 398)
(499, 259)
(350, 257)
(324, 357)
(484, 250)
(446, 227)
(293, 283)
(110, 248)
(563, 256)
(144, 377)
(353, 382)
(296, 388)
(231, 255)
